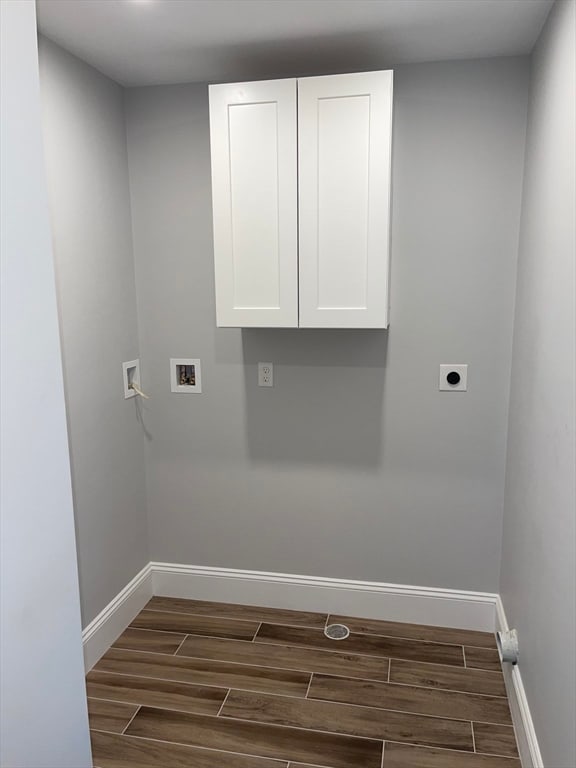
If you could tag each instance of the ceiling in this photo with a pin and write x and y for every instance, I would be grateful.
(143, 42)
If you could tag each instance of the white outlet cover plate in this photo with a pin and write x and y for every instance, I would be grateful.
(265, 374)
(445, 369)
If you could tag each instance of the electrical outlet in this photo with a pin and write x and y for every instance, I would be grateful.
(265, 374)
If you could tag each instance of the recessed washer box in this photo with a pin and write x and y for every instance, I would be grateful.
(185, 375)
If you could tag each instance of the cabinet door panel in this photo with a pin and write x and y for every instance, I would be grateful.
(345, 129)
(254, 197)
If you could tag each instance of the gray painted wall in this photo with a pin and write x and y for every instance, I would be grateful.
(85, 141)
(538, 565)
(354, 465)
(43, 717)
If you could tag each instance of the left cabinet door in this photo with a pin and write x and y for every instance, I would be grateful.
(254, 198)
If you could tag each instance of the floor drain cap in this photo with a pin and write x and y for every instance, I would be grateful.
(337, 631)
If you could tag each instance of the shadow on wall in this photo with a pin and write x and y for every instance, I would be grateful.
(300, 57)
(326, 403)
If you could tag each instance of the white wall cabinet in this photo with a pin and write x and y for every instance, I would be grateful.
(301, 201)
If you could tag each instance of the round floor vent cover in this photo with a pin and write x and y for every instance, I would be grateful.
(337, 631)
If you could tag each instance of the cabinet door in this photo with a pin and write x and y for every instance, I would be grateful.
(344, 135)
(254, 197)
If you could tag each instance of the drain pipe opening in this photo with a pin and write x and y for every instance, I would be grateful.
(337, 631)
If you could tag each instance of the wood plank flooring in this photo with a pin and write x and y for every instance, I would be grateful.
(193, 684)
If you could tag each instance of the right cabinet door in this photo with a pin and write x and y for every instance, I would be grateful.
(344, 133)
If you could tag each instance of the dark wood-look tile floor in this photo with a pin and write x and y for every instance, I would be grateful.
(194, 684)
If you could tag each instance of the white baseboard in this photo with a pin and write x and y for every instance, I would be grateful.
(395, 602)
(528, 747)
(113, 620)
